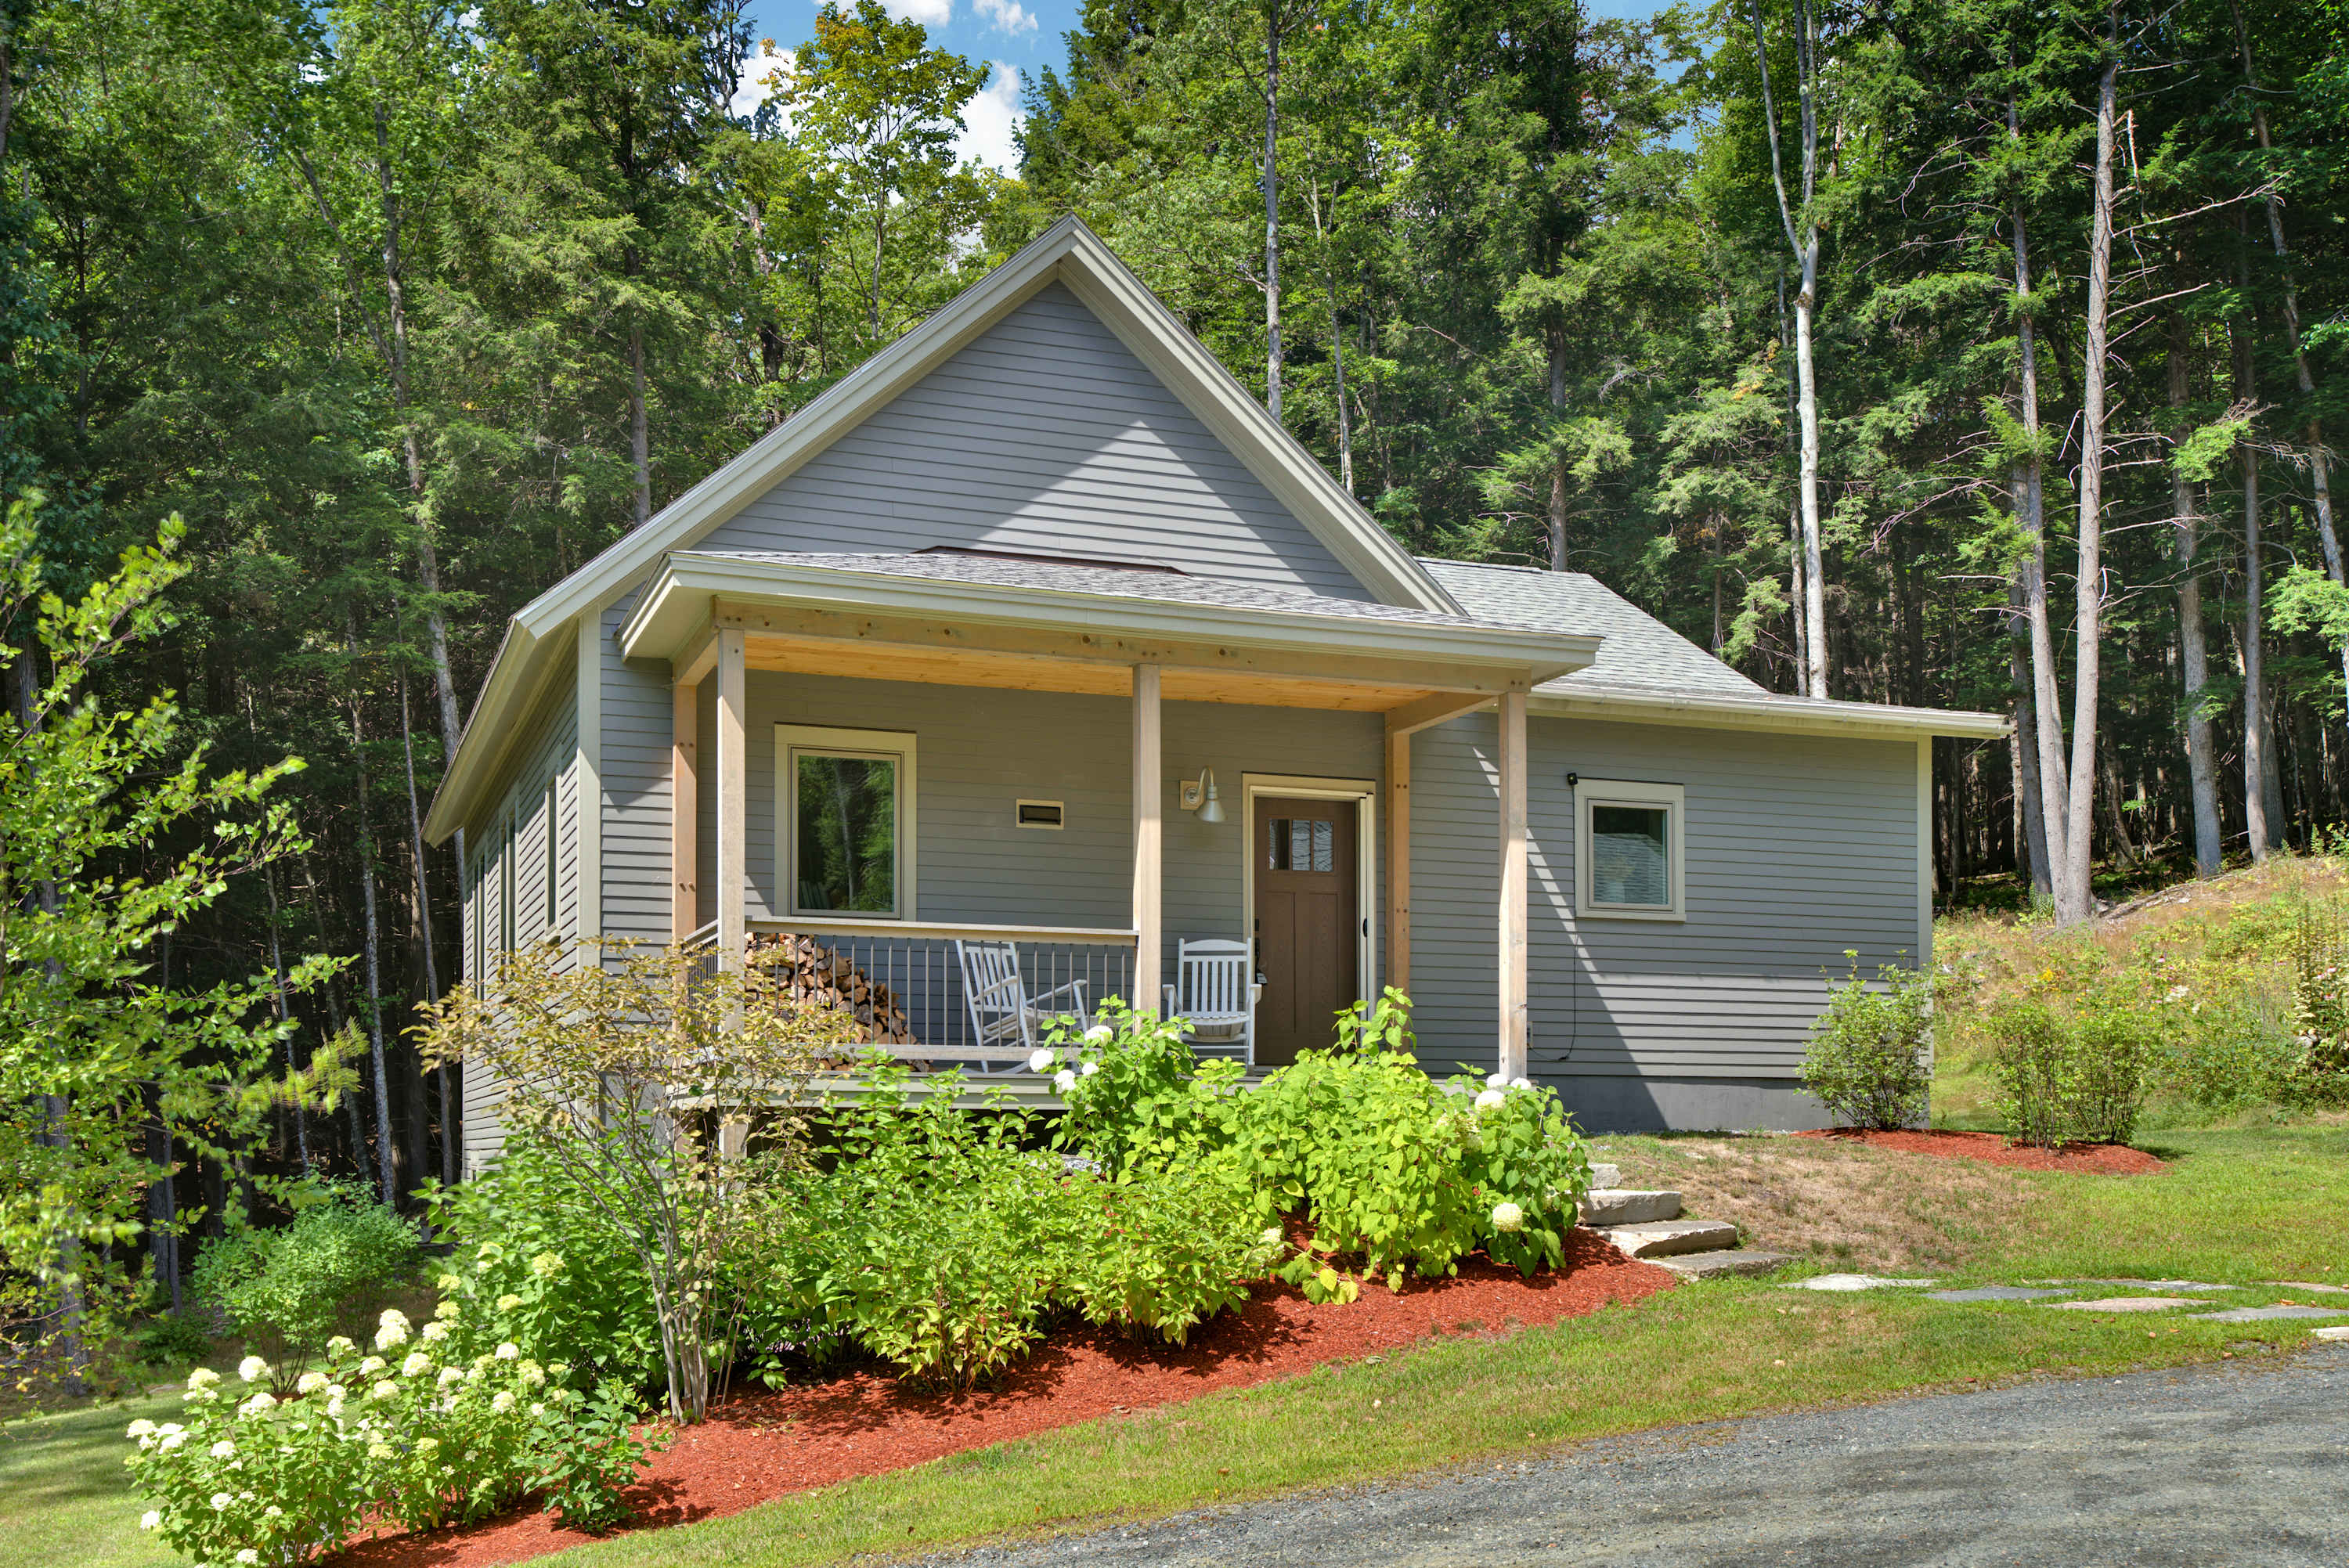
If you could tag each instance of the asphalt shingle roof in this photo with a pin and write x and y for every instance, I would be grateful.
(1638, 651)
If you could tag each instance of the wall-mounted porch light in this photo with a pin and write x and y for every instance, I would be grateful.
(1199, 795)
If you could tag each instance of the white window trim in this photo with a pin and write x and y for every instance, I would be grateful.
(1593, 792)
(897, 746)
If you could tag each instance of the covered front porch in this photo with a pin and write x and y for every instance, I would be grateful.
(977, 796)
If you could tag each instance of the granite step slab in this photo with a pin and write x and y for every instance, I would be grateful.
(1605, 1176)
(2127, 1304)
(1670, 1237)
(1628, 1206)
(1721, 1265)
(2269, 1314)
(1996, 1292)
(1857, 1282)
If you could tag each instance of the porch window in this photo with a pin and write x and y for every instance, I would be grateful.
(1627, 851)
(846, 807)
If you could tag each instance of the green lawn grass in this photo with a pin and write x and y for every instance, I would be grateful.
(2237, 1206)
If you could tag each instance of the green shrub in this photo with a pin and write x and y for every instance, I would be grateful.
(534, 1261)
(410, 1433)
(2075, 1074)
(1134, 1092)
(1159, 1251)
(290, 1288)
(1867, 1060)
(171, 1337)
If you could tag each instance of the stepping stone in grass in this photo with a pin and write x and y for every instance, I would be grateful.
(2338, 1333)
(2127, 1304)
(2193, 1285)
(2268, 1314)
(2308, 1284)
(1856, 1281)
(1998, 1292)
(1708, 1265)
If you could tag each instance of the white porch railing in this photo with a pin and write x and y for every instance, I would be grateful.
(906, 980)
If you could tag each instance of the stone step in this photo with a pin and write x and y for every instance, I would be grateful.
(1723, 1264)
(1602, 1176)
(1627, 1206)
(1670, 1237)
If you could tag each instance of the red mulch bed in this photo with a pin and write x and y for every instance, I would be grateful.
(766, 1445)
(1992, 1147)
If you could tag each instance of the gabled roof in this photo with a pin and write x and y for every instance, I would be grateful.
(1074, 255)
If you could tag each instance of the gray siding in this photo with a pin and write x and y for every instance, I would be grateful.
(635, 771)
(1045, 436)
(977, 750)
(1797, 848)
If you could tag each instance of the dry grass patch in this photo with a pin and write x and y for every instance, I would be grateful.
(1844, 1204)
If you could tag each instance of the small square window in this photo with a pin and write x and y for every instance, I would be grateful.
(1628, 850)
(1302, 844)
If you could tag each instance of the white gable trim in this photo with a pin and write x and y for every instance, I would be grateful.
(1072, 254)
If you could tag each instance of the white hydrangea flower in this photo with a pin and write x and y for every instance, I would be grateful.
(435, 1330)
(557, 1368)
(1100, 1035)
(533, 1375)
(386, 1389)
(1091, 1069)
(150, 1520)
(1064, 1080)
(372, 1364)
(272, 1511)
(447, 1311)
(503, 1402)
(509, 1351)
(538, 1410)
(335, 1408)
(340, 1345)
(310, 1382)
(202, 1377)
(508, 1302)
(140, 1428)
(415, 1363)
(379, 1451)
(265, 1400)
(1508, 1217)
(224, 1449)
(1272, 1236)
(1491, 1098)
(1521, 1083)
(448, 1283)
(253, 1368)
(1041, 1060)
(1498, 1081)
(170, 1440)
(546, 1265)
(221, 1500)
(451, 1374)
(390, 1336)
(248, 1556)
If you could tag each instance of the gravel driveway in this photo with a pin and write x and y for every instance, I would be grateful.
(2233, 1464)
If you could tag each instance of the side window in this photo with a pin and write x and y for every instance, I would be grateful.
(1630, 855)
(844, 811)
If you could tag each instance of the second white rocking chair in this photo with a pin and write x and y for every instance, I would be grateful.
(1213, 994)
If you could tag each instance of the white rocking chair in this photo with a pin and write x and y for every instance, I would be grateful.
(1007, 1023)
(1214, 995)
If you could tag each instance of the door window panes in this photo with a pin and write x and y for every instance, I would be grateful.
(1302, 844)
(1630, 856)
(846, 846)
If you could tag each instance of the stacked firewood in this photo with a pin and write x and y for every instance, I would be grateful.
(815, 973)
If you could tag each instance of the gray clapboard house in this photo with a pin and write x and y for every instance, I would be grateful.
(887, 681)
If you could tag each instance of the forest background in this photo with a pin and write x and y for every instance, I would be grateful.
(1815, 328)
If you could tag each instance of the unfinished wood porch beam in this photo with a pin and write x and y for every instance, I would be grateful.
(1398, 859)
(685, 812)
(733, 798)
(1149, 837)
(1512, 911)
(1414, 716)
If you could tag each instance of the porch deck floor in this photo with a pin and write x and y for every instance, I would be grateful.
(1024, 1091)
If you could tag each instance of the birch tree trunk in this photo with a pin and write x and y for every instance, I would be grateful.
(1802, 240)
(2075, 897)
(2251, 648)
(1272, 22)
(286, 1016)
(2030, 804)
(2201, 761)
(424, 932)
(372, 944)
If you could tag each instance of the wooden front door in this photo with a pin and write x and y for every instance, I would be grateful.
(1308, 911)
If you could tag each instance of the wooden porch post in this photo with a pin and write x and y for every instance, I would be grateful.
(685, 812)
(1149, 806)
(1398, 859)
(1513, 884)
(733, 792)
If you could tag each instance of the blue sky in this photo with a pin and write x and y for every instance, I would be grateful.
(1012, 36)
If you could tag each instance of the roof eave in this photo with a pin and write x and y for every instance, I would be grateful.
(517, 677)
(1775, 713)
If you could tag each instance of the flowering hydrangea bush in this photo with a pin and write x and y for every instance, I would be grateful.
(245, 1477)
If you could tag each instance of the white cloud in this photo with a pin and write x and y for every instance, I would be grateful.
(992, 122)
(1009, 16)
(756, 88)
(928, 13)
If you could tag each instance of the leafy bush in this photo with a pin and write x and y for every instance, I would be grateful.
(2075, 1074)
(409, 1434)
(290, 1288)
(535, 1260)
(174, 1337)
(1159, 1251)
(1134, 1092)
(1867, 1062)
